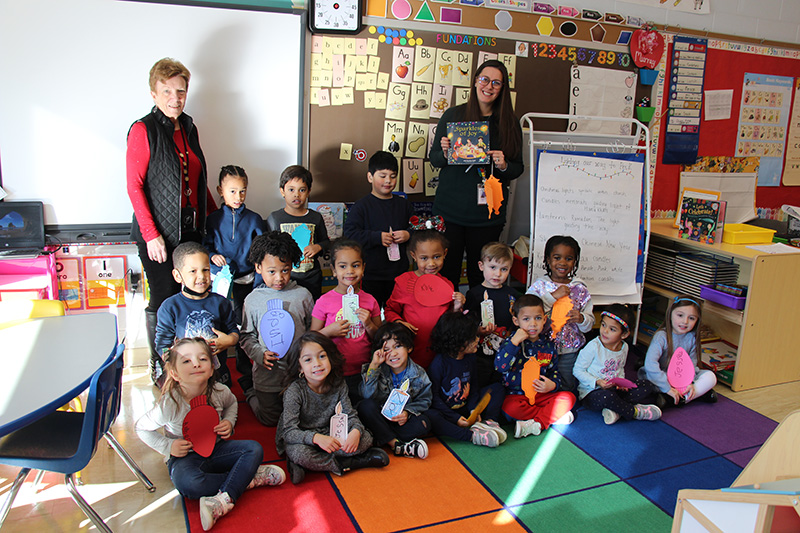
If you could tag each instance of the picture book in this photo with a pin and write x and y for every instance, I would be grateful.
(698, 220)
(469, 142)
(718, 355)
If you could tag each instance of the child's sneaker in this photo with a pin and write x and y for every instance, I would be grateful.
(566, 420)
(646, 412)
(413, 448)
(610, 417)
(484, 437)
(267, 475)
(214, 507)
(523, 428)
(493, 426)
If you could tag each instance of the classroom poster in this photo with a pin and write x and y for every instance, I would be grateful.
(397, 101)
(105, 281)
(413, 176)
(431, 179)
(69, 282)
(600, 92)
(791, 173)
(420, 102)
(597, 200)
(417, 139)
(763, 123)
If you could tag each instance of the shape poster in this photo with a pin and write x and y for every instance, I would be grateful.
(685, 91)
(763, 123)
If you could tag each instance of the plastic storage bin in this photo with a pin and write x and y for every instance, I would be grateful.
(746, 234)
(708, 292)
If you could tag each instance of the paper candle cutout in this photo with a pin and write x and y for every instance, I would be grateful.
(277, 328)
(559, 313)
(487, 310)
(680, 372)
(647, 47)
(222, 282)
(530, 373)
(302, 236)
(494, 195)
(622, 382)
(350, 306)
(393, 250)
(396, 401)
(430, 290)
(199, 424)
(339, 424)
(475, 413)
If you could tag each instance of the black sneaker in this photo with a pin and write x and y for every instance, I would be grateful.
(413, 448)
(709, 397)
(372, 458)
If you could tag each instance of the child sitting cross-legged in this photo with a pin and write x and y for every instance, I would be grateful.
(531, 344)
(389, 369)
(452, 373)
(602, 360)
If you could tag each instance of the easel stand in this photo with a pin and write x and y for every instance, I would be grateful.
(638, 142)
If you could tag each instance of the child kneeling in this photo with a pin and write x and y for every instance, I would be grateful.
(389, 368)
(532, 341)
(315, 385)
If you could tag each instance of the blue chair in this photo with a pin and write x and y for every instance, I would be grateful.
(64, 441)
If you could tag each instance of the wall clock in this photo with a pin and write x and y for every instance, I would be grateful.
(336, 16)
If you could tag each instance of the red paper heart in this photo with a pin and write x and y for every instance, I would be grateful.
(432, 290)
(199, 424)
(647, 47)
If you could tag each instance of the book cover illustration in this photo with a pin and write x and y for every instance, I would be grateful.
(469, 142)
(698, 220)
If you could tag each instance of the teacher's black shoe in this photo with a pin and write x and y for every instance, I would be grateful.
(372, 458)
(709, 397)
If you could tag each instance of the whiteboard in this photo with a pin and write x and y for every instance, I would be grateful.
(596, 200)
(75, 77)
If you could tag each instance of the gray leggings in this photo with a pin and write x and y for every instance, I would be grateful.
(315, 458)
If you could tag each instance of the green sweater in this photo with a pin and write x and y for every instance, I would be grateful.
(457, 194)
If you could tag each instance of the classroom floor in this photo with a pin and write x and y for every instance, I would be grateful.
(126, 506)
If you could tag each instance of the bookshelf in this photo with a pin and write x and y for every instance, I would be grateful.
(764, 329)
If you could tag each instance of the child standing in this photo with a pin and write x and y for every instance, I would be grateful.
(305, 225)
(562, 254)
(230, 231)
(351, 339)
(273, 255)
(495, 265)
(389, 368)
(309, 402)
(603, 359)
(378, 221)
(233, 466)
(452, 373)
(532, 340)
(196, 311)
(427, 248)
(681, 329)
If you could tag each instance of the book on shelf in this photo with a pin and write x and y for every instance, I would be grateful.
(718, 355)
(698, 220)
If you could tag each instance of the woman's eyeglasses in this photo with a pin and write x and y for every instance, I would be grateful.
(484, 81)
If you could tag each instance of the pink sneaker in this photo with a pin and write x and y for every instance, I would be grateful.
(212, 508)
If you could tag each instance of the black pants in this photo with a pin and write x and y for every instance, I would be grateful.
(621, 402)
(472, 240)
(384, 430)
(159, 275)
(379, 289)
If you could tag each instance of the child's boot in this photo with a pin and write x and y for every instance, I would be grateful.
(493, 426)
(523, 428)
(267, 475)
(484, 437)
(413, 448)
(374, 457)
(646, 412)
(214, 507)
(611, 417)
(296, 472)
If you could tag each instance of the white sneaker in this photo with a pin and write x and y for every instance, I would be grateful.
(212, 508)
(647, 412)
(610, 417)
(493, 426)
(566, 420)
(523, 428)
(484, 437)
(412, 448)
(267, 475)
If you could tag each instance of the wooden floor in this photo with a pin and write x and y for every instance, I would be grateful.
(126, 506)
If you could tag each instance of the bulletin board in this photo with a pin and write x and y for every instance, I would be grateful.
(725, 69)
(542, 84)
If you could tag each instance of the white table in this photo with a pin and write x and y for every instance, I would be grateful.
(48, 361)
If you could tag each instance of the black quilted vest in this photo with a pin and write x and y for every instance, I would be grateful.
(162, 185)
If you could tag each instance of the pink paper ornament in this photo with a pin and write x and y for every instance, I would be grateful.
(680, 372)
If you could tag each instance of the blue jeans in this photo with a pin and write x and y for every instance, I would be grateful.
(229, 468)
